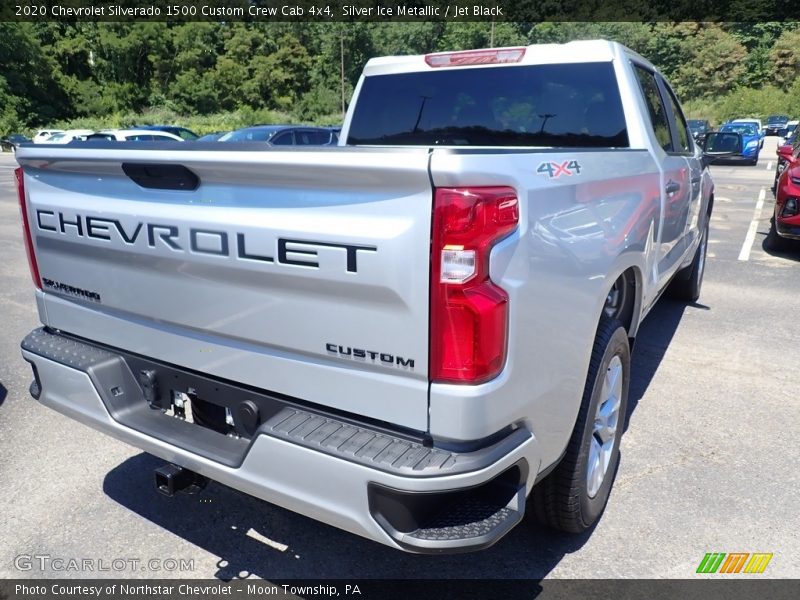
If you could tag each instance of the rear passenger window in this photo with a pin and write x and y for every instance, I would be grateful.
(680, 122)
(655, 107)
(305, 138)
(320, 137)
(283, 139)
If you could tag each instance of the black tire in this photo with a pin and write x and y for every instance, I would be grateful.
(774, 241)
(561, 500)
(689, 281)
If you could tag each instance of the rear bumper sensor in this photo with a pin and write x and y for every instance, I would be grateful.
(388, 486)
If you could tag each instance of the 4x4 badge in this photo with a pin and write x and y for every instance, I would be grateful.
(554, 170)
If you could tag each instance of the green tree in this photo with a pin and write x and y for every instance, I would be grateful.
(785, 59)
(468, 36)
(32, 87)
(758, 39)
(700, 60)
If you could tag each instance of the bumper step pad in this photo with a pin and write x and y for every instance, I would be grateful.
(473, 518)
(362, 443)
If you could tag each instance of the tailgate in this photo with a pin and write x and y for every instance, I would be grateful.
(304, 273)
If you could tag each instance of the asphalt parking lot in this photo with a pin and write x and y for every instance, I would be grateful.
(709, 461)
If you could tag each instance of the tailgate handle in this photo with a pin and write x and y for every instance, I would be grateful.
(162, 176)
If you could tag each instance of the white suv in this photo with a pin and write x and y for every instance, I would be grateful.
(43, 134)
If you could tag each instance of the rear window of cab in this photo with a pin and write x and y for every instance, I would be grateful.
(561, 105)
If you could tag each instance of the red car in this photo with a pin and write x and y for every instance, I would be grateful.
(785, 223)
(787, 155)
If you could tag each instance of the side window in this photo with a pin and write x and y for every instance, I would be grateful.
(283, 139)
(680, 122)
(655, 106)
(258, 135)
(303, 137)
(320, 138)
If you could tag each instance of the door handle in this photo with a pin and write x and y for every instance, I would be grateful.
(672, 187)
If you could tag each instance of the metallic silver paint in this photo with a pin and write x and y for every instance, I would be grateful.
(267, 326)
(262, 324)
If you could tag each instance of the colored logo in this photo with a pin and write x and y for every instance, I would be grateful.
(735, 562)
(554, 170)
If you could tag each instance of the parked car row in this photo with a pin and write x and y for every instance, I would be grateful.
(751, 134)
(134, 135)
(741, 140)
(271, 135)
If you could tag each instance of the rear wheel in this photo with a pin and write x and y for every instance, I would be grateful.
(619, 302)
(689, 280)
(573, 496)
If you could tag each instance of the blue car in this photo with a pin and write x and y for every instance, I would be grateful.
(751, 140)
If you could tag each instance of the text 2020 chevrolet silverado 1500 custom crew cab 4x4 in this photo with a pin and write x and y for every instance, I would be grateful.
(407, 338)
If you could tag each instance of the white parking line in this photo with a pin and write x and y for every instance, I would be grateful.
(769, 165)
(751, 232)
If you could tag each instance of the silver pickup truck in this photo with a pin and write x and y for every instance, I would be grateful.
(411, 336)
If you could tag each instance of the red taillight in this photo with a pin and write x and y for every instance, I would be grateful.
(18, 175)
(497, 56)
(469, 313)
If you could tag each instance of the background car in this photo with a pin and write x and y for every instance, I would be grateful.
(284, 135)
(211, 137)
(786, 155)
(759, 128)
(775, 123)
(335, 131)
(134, 135)
(70, 135)
(699, 128)
(44, 134)
(10, 142)
(786, 131)
(181, 132)
(751, 139)
(784, 228)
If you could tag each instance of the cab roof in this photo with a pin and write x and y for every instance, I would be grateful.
(572, 52)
